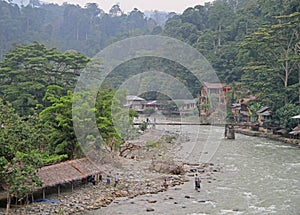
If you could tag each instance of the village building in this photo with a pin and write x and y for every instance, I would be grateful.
(263, 114)
(212, 96)
(141, 105)
(241, 111)
(135, 102)
(186, 106)
(296, 131)
(60, 175)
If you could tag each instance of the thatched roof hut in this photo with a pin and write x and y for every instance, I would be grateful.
(67, 172)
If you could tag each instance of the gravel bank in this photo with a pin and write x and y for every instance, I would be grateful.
(152, 161)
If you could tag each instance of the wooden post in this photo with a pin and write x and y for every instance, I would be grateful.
(44, 195)
(72, 187)
(58, 189)
(229, 132)
(8, 203)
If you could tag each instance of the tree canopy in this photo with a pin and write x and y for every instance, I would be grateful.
(253, 45)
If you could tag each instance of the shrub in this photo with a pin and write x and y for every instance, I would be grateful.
(143, 126)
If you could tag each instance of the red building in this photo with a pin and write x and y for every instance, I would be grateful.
(212, 95)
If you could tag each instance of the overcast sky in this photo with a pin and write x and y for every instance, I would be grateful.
(177, 6)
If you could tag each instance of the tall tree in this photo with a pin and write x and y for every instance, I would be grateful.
(28, 70)
(58, 119)
(273, 52)
(19, 159)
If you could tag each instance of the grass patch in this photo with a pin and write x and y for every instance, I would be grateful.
(153, 144)
(169, 139)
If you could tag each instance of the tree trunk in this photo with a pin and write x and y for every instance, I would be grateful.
(77, 32)
(299, 81)
(8, 204)
(219, 36)
(296, 50)
(286, 80)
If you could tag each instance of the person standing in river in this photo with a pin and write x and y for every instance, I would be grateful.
(165, 184)
(197, 182)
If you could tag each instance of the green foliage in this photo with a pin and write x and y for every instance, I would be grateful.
(230, 117)
(285, 115)
(52, 159)
(19, 154)
(169, 139)
(86, 29)
(58, 119)
(253, 42)
(143, 126)
(106, 105)
(28, 70)
(153, 144)
(21, 174)
(146, 64)
(17, 134)
(253, 107)
(272, 63)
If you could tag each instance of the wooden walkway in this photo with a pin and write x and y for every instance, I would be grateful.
(194, 123)
(172, 123)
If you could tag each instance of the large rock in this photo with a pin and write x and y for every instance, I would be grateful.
(165, 166)
(150, 209)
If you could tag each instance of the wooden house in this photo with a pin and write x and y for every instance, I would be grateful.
(263, 115)
(241, 110)
(135, 102)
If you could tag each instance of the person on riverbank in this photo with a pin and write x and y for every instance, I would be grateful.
(165, 184)
(100, 176)
(91, 178)
(116, 180)
(197, 182)
(108, 180)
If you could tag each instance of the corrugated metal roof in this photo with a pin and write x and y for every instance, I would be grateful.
(134, 98)
(264, 109)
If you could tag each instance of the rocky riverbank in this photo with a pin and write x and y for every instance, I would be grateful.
(142, 170)
(268, 135)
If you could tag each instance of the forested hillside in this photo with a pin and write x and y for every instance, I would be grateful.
(86, 29)
(252, 44)
(243, 39)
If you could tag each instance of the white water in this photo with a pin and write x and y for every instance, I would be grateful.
(258, 176)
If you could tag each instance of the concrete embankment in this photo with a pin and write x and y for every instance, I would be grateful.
(268, 135)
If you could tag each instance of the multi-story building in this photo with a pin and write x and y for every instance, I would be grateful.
(212, 96)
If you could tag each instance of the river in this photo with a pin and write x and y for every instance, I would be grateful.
(258, 176)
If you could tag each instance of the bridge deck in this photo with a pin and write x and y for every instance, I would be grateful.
(194, 123)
